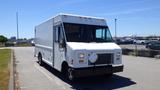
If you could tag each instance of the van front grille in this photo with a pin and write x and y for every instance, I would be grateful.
(103, 59)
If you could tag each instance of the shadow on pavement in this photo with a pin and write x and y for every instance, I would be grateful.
(96, 82)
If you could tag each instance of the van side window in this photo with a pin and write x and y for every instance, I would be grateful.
(59, 34)
(60, 37)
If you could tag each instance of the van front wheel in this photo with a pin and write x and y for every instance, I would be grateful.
(70, 74)
(40, 60)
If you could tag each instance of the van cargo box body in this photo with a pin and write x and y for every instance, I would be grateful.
(77, 46)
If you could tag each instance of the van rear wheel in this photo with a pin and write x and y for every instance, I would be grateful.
(41, 63)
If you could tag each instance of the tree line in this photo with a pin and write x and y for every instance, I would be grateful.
(3, 39)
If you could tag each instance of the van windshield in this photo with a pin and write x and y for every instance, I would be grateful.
(87, 33)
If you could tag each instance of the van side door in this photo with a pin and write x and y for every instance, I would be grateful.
(59, 47)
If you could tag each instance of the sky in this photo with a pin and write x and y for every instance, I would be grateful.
(134, 17)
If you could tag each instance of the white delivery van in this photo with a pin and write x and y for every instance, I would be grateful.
(77, 46)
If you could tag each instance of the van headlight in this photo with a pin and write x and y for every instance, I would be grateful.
(81, 55)
(118, 55)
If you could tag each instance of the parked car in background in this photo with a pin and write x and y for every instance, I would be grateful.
(153, 45)
(32, 43)
(140, 41)
(124, 41)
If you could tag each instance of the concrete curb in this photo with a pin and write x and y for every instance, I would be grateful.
(11, 80)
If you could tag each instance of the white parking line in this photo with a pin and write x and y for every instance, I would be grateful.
(51, 79)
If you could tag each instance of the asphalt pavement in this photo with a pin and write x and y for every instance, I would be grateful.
(139, 73)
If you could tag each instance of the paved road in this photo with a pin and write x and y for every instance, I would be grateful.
(139, 74)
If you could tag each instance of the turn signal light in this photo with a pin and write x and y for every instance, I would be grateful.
(81, 61)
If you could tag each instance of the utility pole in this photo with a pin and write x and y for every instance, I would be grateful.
(17, 26)
(115, 29)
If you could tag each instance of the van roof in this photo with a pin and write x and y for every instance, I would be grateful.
(75, 15)
(77, 19)
(80, 19)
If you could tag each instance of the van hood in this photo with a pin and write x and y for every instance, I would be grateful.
(92, 46)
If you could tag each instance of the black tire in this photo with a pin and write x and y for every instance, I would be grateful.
(67, 72)
(41, 63)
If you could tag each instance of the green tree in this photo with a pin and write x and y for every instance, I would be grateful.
(3, 39)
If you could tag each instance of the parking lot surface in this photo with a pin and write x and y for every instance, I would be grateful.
(139, 74)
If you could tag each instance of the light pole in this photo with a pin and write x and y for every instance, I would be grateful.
(115, 29)
(17, 26)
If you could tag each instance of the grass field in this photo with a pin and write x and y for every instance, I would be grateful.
(5, 56)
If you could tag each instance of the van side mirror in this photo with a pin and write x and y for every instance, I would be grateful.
(62, 43)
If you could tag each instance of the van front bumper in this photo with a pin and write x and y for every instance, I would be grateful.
(96, 70)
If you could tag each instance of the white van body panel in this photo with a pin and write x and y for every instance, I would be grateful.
(59, 57)
(93, 46)
(99, 48)
(44, 41)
